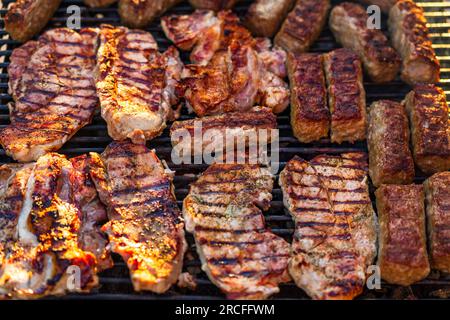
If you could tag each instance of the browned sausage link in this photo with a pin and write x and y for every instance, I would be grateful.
(348, 21)
(385, 5)
(390, 160)
(403, 257)
(428, 116)
(409, 35)
(346, 96)
(298, 32)
(310, 117)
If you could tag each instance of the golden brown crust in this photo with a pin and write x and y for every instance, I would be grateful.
(437, 191)
(25, 18)
(310, 117)
(402, 255)
(390, 160)
(409, 35)
(430, 132)
(298, 32)
(139, 13)
(348, 21)
(264, 17)
(346, 96)
(99, 3)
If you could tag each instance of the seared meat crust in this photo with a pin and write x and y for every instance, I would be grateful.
(99, 3)
(385, 5)
(215, 5)
(139, 13)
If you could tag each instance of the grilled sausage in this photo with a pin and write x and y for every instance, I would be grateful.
(264, 17)
(430, 133)
(348, 21)
(385, 5)
(25, 18)
(346, 96)
(310, 117)
(402, 255)
(437, 192)
(99, 3)
(303, 25)
(390, 160)
(215, 5)
(409, 35)
(139, 13)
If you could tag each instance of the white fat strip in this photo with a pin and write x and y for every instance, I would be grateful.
(25, 236)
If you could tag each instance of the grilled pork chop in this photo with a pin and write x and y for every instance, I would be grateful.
(145, 225)
(51, 82)
(238, 253)
(40, 234)
(232, 70)
(25, 18)
(335, 236)
(135, 83)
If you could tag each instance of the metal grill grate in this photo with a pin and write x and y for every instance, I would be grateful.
(115, 283)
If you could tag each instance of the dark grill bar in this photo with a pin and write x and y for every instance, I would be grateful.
(115, 283)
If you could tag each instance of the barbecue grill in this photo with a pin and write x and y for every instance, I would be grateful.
(115, 283)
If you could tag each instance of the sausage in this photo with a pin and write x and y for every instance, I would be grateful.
(264, 17)
(215, 5)
(390, 160)
(402, 255)
(409, 36)
(310, 117)
(437, 198)
(99, 3)
(26, 18)
(303, 25)
(427, 110)
(348, 22)
(385, 5)
(346, 96)
(139, 13)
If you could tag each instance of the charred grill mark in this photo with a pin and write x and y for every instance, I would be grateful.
(153, 187)
(251, 273)
(214, 243)
(222, 230)
(234, 261)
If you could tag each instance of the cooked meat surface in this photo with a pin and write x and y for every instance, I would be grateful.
(139, 13)
(303, 25)
(390, 160)
(310, 116)
(215, 130)
(26, 18)
(43, 225)
(51, 82)
(437, 192)
(215, 5)
(145, 225)
(233, 71)
(335, 225)
(430, 132)
(409, 36)
(135, 83)
(264, 17)
(99, 3)
(385, 5)
(238, 253)
(348, 22)
(402, 254)
(93, 212)
(346, 96)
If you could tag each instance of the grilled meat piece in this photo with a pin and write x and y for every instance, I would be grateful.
(238, 253)
(45, 246)
(390, 160)
(348, 21)
(409, 34)
(135, 83)
(99, 3)
(264, 17)
(437, 191)
(213, 130)
(427, 109)
(145, 225)
(215, 5)
(335, 235)
(385, 5)
(51, 82)
(402, 255)
(25, 18)
(93, 212)
(346, 96)
(303, 25)
(139, 13)
(310, 117)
